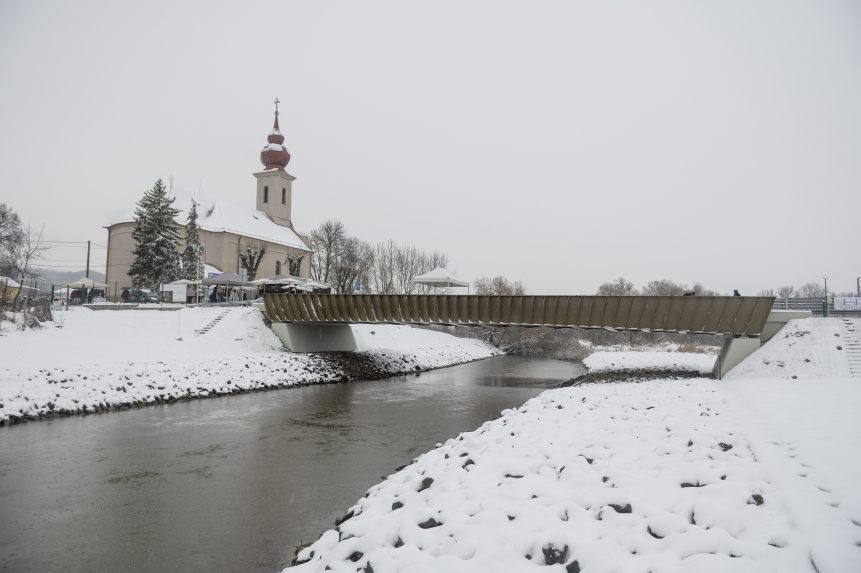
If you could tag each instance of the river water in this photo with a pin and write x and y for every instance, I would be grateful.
(233, 483)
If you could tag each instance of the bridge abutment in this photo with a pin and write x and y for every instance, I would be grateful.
(733, 351)
(316, 337)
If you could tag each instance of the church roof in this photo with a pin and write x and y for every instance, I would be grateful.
(223, 217)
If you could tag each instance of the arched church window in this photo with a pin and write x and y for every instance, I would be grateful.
(283, 195)
(266, 194)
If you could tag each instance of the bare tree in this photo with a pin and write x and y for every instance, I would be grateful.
(294, 265)
(786, 291)
(28, 251)
(327, 244)
(352, 267)
(811, 290)
(498, 285)
(766, 292)
(386, 268)
(250, 259)
(408, 265)
(619, 287)
(385, 259)
(663, 287)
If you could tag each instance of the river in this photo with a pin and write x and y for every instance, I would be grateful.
(233, 483)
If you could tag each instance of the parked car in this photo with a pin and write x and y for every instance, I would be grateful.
(142, 295)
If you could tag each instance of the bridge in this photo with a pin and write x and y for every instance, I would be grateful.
(320, 322)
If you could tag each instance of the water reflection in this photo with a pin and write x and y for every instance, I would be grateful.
(231, 484)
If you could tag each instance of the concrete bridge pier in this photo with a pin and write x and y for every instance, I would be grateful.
(733, 351)
(316, 337)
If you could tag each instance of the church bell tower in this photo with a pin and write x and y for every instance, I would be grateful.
(274, 184)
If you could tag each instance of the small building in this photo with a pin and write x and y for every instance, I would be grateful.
(9, 288)
(226, 229)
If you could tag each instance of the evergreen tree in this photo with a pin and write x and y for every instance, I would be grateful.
(156, 253)
(192, 257)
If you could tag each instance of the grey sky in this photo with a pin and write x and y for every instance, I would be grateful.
(560, 143)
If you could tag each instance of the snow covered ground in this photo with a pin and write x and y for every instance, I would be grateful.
(95, 360)
(629, 360)
(758, 472)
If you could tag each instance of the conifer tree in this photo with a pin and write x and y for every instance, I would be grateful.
(156, 253)
(192, 257)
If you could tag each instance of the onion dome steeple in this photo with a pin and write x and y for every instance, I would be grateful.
(274, 154)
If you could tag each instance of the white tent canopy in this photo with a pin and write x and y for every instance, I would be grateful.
(84, 282)
(439, 278)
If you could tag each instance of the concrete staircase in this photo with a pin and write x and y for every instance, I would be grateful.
(852, 346)
(214, 322)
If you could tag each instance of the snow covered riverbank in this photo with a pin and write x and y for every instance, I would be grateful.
(89, 361)
(755, 473)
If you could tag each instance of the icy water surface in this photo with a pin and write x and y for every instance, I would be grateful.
(233, 483)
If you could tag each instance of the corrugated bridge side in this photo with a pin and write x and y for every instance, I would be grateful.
(730, 315)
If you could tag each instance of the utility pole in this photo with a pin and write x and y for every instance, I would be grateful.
(825, 304)
(88, 259)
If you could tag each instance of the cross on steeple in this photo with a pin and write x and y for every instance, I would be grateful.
(277, 101)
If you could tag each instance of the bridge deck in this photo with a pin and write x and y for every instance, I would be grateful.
(742, 316)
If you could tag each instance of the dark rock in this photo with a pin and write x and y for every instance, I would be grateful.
(690, 443)
(553, 555)
(426, 483)
(299, 548)
(355, 556)
(653, 534)
(345, 517)
(399, 543)
(605, 479)
(573, 567)
(757, 499)
(397, 505)
(725, 447)
(621, 508)
(513, 476)
(430, 523)
(688, 484)
(468, 462)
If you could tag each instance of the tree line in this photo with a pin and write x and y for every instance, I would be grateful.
(350, 264)
(663, 287)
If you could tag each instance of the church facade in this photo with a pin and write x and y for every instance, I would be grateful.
(227, 230)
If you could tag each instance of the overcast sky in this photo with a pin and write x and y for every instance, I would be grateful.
(560, 143)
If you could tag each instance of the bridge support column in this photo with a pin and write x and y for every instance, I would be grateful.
(734, 350)
(316, 337)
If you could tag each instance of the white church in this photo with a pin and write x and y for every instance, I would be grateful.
(226, 230)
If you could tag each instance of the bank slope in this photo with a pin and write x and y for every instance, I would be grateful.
(661, 475)
(93, 361)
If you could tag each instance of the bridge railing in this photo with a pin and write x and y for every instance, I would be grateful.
(744, 316)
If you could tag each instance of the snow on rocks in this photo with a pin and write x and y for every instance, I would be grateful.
(623, 361)
(603, 477)
(108, 360)
(804, 348)
(663, 475)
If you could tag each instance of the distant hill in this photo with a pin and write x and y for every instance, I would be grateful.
(49, 277)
